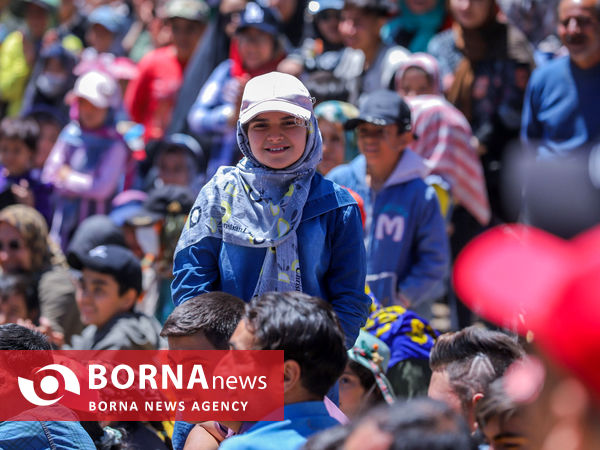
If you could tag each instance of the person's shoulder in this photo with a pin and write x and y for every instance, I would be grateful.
(552, 70)
(441, 39)
(131, 331)
(158, 56)
(324, 191)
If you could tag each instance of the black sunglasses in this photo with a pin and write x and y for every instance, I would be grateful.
(10, 245)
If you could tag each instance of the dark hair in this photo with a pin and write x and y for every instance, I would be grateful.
(214, 314)
(376, 8)
(329, 439)
(367, 381)
(473, 358)
(17, 337)
(324, 86)
(25, 130)
(21, 285)
(495, 403)
(421, 424)
(306, 329)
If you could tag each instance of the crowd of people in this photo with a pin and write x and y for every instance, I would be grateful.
(313, 177)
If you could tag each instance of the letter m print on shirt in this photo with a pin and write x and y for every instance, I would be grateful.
(389, 226)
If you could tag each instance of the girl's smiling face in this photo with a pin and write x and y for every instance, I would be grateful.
(277, 139)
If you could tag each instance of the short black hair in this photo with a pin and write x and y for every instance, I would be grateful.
(21, 284)
(25, 130)
(214, 314)
(421, 423)
(17, 337)
(306, 329)
(474, 357)
(367, 380)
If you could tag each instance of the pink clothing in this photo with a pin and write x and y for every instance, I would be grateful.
(445, 142)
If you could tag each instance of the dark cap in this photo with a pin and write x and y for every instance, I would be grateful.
(120, 262)
(264, 19)
(382, 107)
(380, 7)
(94, 231)
(162, 201)
(186, 142)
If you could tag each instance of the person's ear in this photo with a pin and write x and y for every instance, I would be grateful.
(291, 374)
(129, 298)
(478, 396)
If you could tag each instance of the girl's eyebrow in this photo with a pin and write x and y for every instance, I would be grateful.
(263, 120)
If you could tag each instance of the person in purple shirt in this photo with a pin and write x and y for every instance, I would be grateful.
(88, 163)
(19, 183)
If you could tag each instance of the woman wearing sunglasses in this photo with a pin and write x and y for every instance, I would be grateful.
(25, 248)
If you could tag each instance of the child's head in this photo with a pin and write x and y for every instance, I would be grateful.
(105, 23)
(361, 22)
(111, 280)
(18, 140)
(18, 299)
(179, 159)
(418, 75)
(50, 125)
(383, 129)
(363, 383)
(95, 92)
(205, 322)
(339, 146)
(257, 36)
(276, 117)
(306, 329)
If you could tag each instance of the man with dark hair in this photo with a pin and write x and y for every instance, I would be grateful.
(560, 111)
(29, 432)
(465, 362)
(205, 322)
(417, 424)
(307, 330)
(407, 246)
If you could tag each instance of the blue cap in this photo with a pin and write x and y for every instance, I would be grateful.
(264, 19)
(317, 6)
(107, 17)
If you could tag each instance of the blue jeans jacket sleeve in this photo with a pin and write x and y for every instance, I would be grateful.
(345, 283)
(196, 270)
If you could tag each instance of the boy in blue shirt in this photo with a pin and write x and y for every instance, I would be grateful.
(407, 246)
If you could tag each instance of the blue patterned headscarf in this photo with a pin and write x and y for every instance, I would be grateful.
(252, 205)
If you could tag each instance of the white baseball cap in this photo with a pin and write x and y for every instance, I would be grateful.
(98, 88)
(275, 91)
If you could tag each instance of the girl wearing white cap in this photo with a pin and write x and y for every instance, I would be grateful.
(89, 158)
(271, 223)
